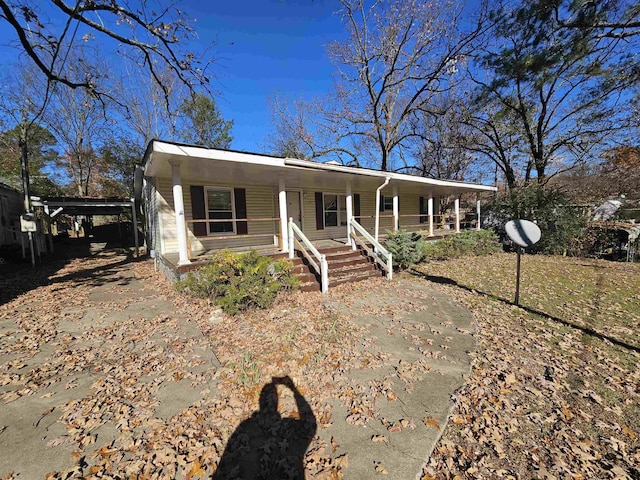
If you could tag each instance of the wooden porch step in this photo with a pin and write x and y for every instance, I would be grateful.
(345, 265)
(313, 286)
(356, 277)
(348, 270)
(336, 252)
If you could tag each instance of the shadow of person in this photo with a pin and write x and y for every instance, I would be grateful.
(267, 446)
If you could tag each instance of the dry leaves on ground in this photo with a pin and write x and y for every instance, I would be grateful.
(118, 366)
(551, 396)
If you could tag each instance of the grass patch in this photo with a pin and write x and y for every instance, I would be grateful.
(572, 354)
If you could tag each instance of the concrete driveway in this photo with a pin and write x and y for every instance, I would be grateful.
(98, 363)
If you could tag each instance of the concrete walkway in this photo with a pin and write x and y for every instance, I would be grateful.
(70, 348)
(425, 339)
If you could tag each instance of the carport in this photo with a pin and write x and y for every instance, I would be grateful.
(74, 206)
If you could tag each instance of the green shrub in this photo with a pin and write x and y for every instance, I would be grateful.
(481, 242)
(404, 247)
(237, 282)
(560, 223)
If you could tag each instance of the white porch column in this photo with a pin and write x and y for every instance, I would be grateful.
(430, 212)
(396, 216)
(178, 205)
(349, 215)
(478, 212)
(457, 208)
(282, 203)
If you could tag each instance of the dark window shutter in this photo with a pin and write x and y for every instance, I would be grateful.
(198, 211)
(381, 208)
(319, 212)
(240, 198)
(356, 206)
(422, 211)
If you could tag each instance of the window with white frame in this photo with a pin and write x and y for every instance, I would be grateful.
(220, 207)
(387, 203)
(335, 210)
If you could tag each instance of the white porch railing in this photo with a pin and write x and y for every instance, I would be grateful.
(380, 254)
(311, 253)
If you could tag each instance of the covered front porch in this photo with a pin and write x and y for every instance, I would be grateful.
(209, 199)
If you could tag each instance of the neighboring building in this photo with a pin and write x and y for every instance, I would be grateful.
(11, 206)
(199, 199)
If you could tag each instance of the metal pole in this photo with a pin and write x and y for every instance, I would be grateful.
(49, 231)
(517, 299)
(134, 220)
(31, 247)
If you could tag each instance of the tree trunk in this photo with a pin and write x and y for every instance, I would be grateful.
(510, 177)
(24, 163)
(384, 161)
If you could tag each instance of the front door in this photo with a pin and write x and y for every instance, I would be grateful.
(293, 207)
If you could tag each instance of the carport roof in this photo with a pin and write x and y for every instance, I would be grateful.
(85, 206)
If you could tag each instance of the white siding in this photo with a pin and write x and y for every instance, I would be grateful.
(166, 215)
(151, 199)
(260, 204)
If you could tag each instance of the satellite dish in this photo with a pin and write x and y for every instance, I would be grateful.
(523, 232)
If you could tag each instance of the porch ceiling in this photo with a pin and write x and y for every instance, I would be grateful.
(226, 167)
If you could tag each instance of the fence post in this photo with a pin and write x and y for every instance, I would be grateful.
(324, 273)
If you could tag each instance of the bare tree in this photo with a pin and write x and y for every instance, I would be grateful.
(152, 35)
(397, 58)
(21, 103)
(495, 137)
(307, 130)
(78, 122)
(443, 142)
(143, 104)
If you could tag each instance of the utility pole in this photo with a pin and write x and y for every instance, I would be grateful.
(25, 180)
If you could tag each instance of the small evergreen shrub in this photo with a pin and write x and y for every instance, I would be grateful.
(237, 282)
(481, 242)
(404, 247)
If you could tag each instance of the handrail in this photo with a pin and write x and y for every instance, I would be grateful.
(378, 251)
(234, 220)
(304, 244)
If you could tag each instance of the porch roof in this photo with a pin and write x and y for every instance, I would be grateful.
(243, 168)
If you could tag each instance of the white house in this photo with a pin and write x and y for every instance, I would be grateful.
(200, 199)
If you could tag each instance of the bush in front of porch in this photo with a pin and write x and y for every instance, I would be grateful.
(409, 248)
(479, 242)
(237, 282)
(405, 248)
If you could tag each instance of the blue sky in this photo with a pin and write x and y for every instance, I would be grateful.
(264, 47)
(261, 47)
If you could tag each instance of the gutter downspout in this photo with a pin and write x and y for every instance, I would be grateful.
(377, 227)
